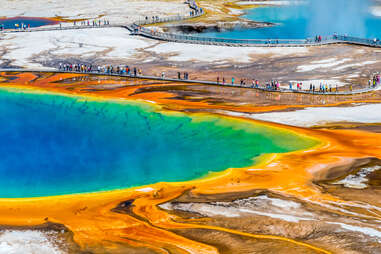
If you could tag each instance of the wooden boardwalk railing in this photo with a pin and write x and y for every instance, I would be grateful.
(202, 82)
(182, 38)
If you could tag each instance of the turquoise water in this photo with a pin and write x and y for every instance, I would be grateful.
(52, 144)
(316, 17)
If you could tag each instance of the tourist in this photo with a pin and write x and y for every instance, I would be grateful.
(218, 80)
(223, 80)
(178, 75)
(163, 75)
(127, 70)
(233, 81)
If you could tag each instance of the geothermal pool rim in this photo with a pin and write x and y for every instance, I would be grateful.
(190, 81)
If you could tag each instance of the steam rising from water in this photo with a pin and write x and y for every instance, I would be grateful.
(343, 16)
(306, 19)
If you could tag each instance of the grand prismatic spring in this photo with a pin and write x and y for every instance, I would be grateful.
(77, 142)
(116, 143)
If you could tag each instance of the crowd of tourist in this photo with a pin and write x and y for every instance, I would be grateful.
(107, 69)
(271, 85)
(110, 69)
(99, 22)
(375, 81)
(93, 23)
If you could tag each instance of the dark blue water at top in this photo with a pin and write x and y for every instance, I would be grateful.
(300, 21)
(10, 23)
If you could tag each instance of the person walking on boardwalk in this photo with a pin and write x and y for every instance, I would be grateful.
(135, 71)
(178, 75)
(163, 75)
(233, 81)
(218, 80)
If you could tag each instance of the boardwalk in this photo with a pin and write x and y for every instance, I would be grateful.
(201, 82)
(136, 28)
(309, 42)
(58, 28)
(195, 11)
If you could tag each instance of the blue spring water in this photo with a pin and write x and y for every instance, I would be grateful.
(316, 17)
(10, 23)
(52, 144)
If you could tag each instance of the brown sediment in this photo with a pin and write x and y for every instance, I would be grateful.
(100, 222)
(369, 195)
(373, 127)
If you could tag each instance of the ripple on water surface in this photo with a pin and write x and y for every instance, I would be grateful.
(53, 144)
